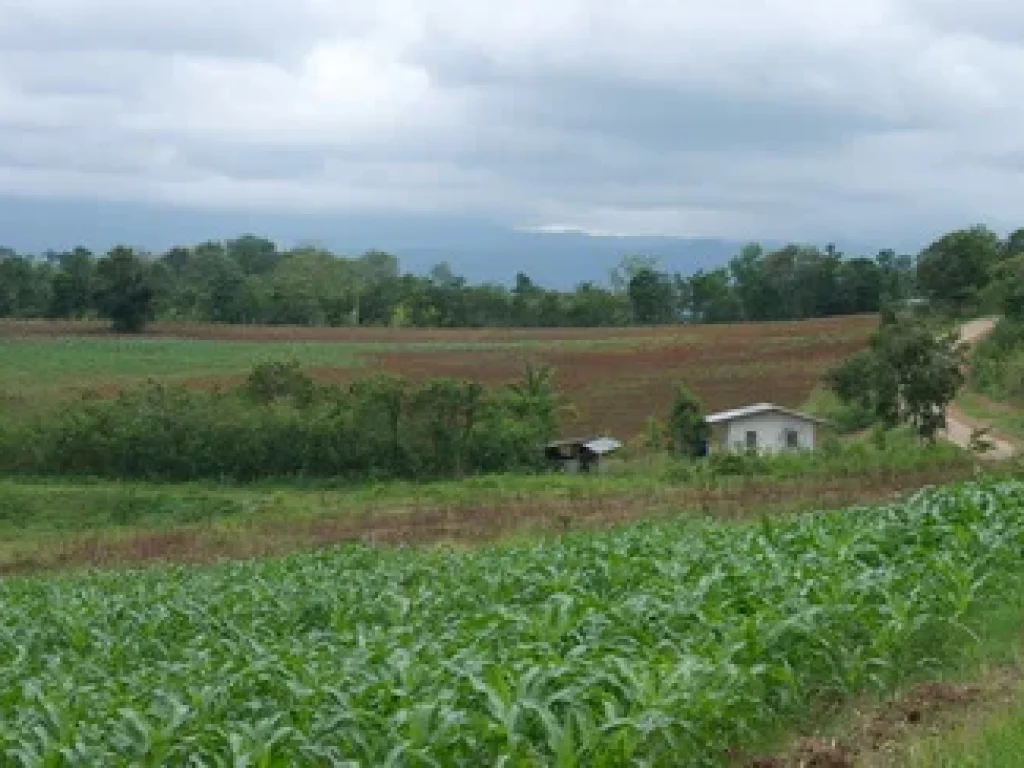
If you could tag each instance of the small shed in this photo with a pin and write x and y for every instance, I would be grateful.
(580, 454)
(765, 428)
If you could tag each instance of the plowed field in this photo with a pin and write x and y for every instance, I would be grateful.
(615, 377)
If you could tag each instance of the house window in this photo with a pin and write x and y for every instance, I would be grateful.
(792, 439)
(751, 440)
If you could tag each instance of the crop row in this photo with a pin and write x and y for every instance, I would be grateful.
(658, 644)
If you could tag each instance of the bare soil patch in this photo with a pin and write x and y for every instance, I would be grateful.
(466, 524)
(877, 735)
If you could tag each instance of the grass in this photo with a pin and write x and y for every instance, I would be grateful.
(996, 743)
(1006, 419)
(61, 522)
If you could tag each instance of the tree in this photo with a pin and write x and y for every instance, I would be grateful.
(535, 396)
(253, 255)
(591, 306)
(956, 267)
(123, 292)
(653, 297)
(711, 298)
(908, 375)
(686, 425)
(897, 275)
(72, 292)
(1014, 245)
(630, 267)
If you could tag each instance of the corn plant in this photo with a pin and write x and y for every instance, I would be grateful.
(659, 644)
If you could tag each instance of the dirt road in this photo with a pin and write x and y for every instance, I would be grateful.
(959, 426)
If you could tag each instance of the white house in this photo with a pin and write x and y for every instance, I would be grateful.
(764, 428)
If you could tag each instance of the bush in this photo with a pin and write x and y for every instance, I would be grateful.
(998, 364)
(274, 381)
(279, 425)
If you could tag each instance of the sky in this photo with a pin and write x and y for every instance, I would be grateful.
(739, 119)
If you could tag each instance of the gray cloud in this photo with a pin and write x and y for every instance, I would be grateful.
(788, 118)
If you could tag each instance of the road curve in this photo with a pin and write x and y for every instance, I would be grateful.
(960, 427)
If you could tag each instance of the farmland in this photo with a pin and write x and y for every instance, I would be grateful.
(276, 622)
(661, 644)
(617, 378)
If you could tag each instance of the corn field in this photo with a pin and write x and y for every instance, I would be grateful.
(662, 644)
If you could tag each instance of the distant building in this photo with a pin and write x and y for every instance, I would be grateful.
(580, 454)
(764, 428)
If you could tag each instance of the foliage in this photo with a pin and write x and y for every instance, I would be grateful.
(686, 426)
(652, 296)
(249, 280)
(123, 293)
(660, 644)
(279, 425)
(954, 269)
(908, 374)
(845, 417)
(997, 364)
(268, 382)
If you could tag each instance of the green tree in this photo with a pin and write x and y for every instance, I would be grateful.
(711, 298)
(1010, 284)
(123, 291)
(1014, 245)
(653, 297)
(908, 375)
(630, 267)
(72, 293)
(591, 306)
(537, 398)
(954, 269)
(253, 255)
(686, 425)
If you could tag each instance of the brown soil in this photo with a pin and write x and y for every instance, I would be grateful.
(614, 389)
(877, 735)
(263, 333)
(467, 524)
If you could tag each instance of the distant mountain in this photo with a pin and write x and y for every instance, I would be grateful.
(478, 250)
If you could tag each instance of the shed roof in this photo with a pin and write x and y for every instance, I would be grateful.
(598, 445)
(759, 408)
(602, 445)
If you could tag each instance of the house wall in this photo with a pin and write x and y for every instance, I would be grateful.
(771, 432)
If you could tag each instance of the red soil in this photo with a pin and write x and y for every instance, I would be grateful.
(615, 389)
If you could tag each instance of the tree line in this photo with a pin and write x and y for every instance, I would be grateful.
(250, 280)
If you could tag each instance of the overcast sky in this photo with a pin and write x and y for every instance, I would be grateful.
(735, 118)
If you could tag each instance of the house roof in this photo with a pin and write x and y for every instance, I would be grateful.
(753, 410)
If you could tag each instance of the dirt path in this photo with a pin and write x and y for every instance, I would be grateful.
(960, 427)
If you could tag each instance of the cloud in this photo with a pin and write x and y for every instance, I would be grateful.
(747, 118)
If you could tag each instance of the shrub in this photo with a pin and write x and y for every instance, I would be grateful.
(279, 425)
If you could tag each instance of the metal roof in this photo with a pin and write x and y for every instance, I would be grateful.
(603, 445)
(754, 410)
(598, 445)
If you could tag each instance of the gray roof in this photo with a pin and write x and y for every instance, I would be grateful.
(754, 410)
(603, 445)
(598, 445)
